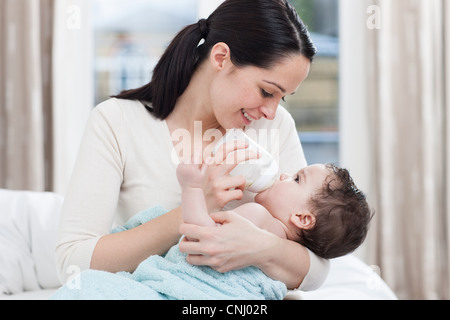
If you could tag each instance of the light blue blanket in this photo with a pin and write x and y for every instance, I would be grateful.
(171, 278)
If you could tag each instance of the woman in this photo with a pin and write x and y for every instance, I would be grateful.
(229, 71)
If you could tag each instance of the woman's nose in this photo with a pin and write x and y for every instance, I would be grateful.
(269, 111)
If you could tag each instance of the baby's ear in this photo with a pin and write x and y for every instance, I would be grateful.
(304, 220)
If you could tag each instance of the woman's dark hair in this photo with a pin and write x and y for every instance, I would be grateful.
(258, 32)
(342, 217)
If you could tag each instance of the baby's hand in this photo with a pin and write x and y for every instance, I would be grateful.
(191, 175)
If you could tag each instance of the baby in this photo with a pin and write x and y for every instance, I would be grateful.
(318, 207)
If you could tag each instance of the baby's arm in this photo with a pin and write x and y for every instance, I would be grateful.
(195, 211)
(262, 218)
(193, 203)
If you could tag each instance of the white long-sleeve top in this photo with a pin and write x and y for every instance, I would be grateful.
(126, 164)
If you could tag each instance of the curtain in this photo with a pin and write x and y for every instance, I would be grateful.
(404, 76)
(26, 94)
(46, 90)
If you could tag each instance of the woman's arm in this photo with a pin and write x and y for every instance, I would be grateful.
(124, 251)
(286, 261)
(238, 243)
(91, 201)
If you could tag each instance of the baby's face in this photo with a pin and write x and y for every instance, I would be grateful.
(291, 194)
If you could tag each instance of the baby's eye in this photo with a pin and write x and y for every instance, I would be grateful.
(297, 178)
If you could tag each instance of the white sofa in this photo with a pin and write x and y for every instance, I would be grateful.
(28, 231)
(28, 224)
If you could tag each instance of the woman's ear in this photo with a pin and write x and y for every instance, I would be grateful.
(220, 56)
(304, 220)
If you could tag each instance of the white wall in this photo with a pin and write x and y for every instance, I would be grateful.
(72, 84)
(354, 119)
(206, 7)
(354, 152)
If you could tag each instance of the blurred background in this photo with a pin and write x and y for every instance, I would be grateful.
(375, 102)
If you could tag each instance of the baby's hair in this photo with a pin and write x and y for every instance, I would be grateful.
(342, 216)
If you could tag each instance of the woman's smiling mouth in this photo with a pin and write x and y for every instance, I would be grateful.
(246, 117)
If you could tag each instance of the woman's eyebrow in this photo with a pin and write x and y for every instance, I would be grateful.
(276, 85)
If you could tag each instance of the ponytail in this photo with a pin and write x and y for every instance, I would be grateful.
(173, 72)
(259, 33)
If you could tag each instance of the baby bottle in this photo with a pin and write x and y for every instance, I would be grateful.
(261, 173)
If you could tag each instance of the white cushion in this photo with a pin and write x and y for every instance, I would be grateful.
(351, 279)
(28, 232)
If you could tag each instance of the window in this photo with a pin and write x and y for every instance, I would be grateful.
(131, 35)
(315, 106)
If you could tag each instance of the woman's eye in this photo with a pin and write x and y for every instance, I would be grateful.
(265, 94)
